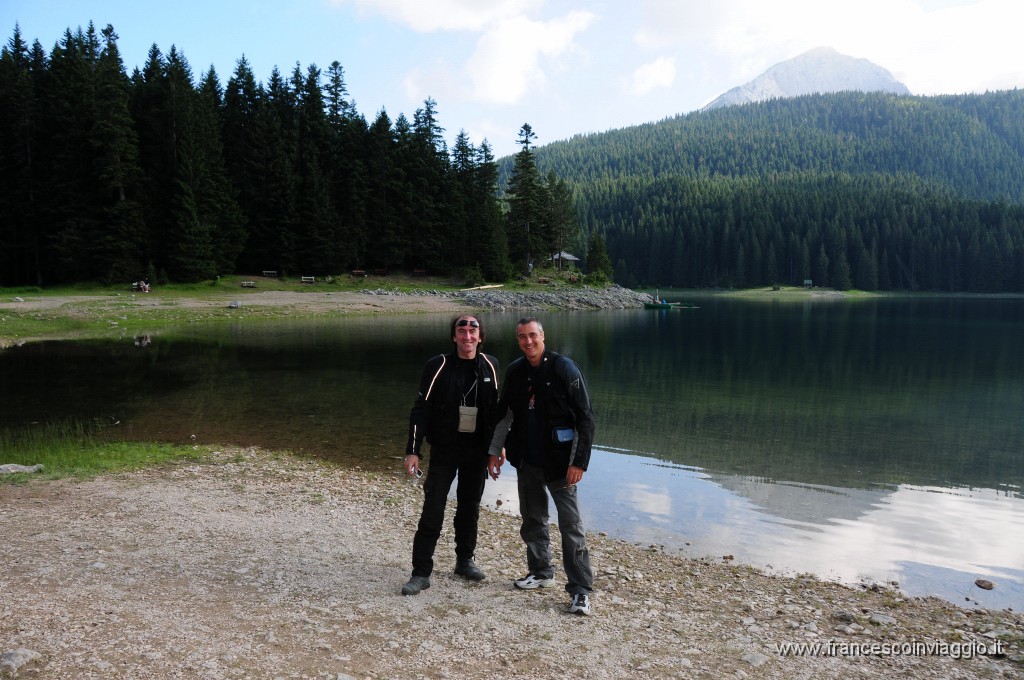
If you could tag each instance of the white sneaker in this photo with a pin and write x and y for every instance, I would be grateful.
(532, 581)
(580, 605)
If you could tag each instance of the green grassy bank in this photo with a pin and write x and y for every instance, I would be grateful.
(75, 450)
(93, 310)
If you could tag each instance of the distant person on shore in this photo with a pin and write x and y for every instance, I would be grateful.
(547, 428)
(454, 412)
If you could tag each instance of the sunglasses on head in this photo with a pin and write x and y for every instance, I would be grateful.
(472, 323)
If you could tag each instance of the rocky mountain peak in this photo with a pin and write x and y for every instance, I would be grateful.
(822, 69)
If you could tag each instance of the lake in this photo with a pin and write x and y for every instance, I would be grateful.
(859, 440)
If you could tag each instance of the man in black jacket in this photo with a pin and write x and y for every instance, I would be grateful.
(454, 411)
(547, 429)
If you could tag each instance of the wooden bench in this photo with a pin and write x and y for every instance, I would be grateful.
(419, 272)
(359, 273)
(270, 273)
(380, 272)
(248, 284)
(308, 279)
(543, 279)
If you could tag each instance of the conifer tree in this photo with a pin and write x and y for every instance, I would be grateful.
(217, 196)
(599, 266)
(426, 171)
(243, 140)
(562, 227)
(119, 246)
(385, 243)
(20, 228)
(317, 246)
(525, 198)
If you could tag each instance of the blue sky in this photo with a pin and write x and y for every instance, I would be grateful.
(563, 66)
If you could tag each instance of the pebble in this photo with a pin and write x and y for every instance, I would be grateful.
(755, 659)
(882, 619)
(844, 616)
(11, 661)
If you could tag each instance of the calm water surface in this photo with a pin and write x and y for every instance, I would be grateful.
(868, 440)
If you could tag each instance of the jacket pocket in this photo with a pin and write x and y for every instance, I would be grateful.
(562, 435)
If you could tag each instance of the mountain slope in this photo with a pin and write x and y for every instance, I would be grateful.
(970, 145)
(868, 190)
(820, 70)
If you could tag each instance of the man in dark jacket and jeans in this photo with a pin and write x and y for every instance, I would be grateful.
(547, 429)
(454, 411)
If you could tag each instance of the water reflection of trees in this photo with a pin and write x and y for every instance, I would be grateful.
(928, 392)
(848, 394)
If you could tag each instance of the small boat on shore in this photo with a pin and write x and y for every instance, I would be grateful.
(659, 303)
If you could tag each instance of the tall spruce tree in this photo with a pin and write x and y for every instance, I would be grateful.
(385, 242)
(428, 190)
(526, 201)
(244, 157)
(73, 215)
(117, 247)
(20, 229)
(317, 244)
(561, 226)
(188, 237)
(487, 217)
(345, 169)
(278, 220)
(216, 194)
(599, 265)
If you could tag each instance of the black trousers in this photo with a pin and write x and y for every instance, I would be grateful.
(445, 465)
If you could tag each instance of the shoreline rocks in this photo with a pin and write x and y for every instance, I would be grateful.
(558, 297)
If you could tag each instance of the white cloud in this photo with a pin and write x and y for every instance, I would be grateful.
(445, 15)
(437, 80)
(507, 61)
(657, 74)
(513, 52)
(964, 48)
(933, 46)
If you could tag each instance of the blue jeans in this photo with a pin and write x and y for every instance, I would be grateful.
(533, 506)
(471, 468)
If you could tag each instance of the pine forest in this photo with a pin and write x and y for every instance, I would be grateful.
(111, 177)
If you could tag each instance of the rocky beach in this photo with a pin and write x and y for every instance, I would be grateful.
(253, 564)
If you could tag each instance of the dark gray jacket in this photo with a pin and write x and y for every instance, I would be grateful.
(563, 401)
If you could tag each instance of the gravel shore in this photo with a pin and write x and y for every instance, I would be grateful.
(259, 565)
(559, 297)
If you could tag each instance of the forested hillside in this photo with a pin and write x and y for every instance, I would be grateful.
(106, 176)
(860, 190)
(110, 177)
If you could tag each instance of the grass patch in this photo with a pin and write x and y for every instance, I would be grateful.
(97, 310)
(19, 290)
(74, 450)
